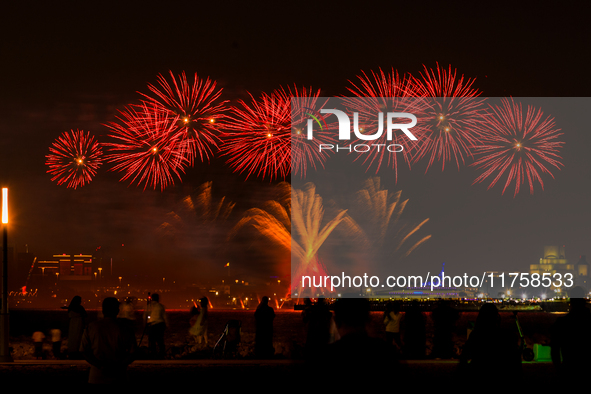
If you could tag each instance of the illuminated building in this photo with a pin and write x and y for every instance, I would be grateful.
(555, 262)
(69, 267)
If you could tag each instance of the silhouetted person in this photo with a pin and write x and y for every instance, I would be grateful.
(444, 322)
(56, 342)
(109, 346)
(491, 351)
(199, 327)
(307, 306)
(263, 339)
(317, 319)
(38, 338)
(155, 318)
(357, 356)
(77, 315)
(126, 311)
(415, 337)
(571, 338)
(392, 318)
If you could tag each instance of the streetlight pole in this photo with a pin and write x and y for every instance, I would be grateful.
(4, 322)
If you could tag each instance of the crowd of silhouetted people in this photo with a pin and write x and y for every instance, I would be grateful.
(339, 337)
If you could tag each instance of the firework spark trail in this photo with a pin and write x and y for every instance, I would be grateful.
(382, 93)
(273, 220)
(197, 221)
(196, 109)
(307, 217)
(519, 145)
(200, 209)
(307, 220)
(74, 158)
(381, 212)
(204, 206)
(259, 137)
(147, 148)
(453, 118)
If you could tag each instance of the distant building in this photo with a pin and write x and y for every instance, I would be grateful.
(69, 267)
(555, 262)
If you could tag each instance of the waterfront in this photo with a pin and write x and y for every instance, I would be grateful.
(289, 330)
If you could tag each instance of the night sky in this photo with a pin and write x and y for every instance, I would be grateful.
(72, 65)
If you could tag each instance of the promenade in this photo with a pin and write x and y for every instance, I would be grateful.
(232, 372)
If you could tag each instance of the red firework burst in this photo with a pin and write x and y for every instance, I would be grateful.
(196, 108)
(148, 147)
(74, 158)
(453, 118)
(383, 93)
(517, 145)
(259, 136)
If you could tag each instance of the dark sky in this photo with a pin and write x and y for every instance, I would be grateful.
(69, 65)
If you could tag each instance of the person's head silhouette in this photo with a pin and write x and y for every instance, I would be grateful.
(488, 317)
(110, 307)
(351, 314)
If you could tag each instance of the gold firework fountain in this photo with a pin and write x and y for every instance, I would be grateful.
(276, 220)
(296, 221)
(308, 216)
(383, 235)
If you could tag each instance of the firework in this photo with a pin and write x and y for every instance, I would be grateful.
(197, 222)
(260, 136)
(276, 220)
(272, 221)
(383, 93)
(196, 109)
(453, 118)
(517, 144)
(74, 158)
(304, 152)
(199, 209)
(148, 147)
(381, 213)
(204, 208)
(307, 219)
